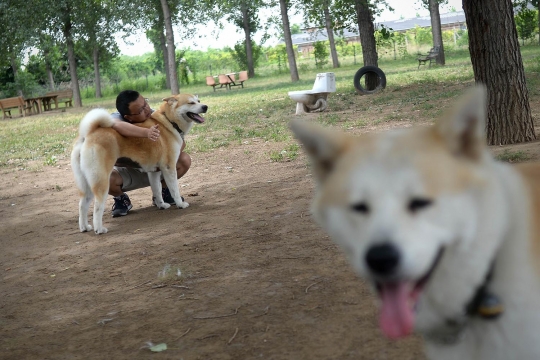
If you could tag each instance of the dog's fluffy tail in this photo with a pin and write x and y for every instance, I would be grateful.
(94, 119)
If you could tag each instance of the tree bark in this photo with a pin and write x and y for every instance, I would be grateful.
(436, 29)
(247, 32)
(175, 89)
(330, 32)
(497, 63)
(165, 55)
(288, 41)
(367, 40)
(77, 101)
(97, 76)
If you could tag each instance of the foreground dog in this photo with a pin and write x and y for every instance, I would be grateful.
(449, 237)
(98, 147)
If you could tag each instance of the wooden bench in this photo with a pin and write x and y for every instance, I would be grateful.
(431, 57)
(14, 103)
(65, 96)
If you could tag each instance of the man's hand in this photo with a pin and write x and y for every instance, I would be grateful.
(153, 133)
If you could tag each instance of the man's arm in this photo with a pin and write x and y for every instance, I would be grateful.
(129, 130)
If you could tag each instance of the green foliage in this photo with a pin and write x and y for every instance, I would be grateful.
(526, 23)
(240, 57)
(321, 53)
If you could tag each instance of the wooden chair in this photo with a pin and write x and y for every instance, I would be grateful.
(242, 76)
(224, 81)
(431, 56)
(210, 81)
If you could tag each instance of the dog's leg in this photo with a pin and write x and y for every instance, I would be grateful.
(172, 183)
(155, 184)
(99, 208)
(84, 204)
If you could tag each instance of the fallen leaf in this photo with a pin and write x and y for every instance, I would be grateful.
(159, 347)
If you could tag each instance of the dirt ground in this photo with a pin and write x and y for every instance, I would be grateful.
(258, 279)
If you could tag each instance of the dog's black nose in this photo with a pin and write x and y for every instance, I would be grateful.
(205, 107)
(383, 259)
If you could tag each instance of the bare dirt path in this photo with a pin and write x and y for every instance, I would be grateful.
(258, 279)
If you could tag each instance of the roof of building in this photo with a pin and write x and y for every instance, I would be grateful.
(308, 37)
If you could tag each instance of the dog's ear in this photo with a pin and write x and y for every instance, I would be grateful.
(463, 130)
(322, 145)
(171, 100)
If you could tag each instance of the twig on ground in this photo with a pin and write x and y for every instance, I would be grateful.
(208, 336)
(265, 312)
(217, 317)
(181, 336)
(180, 286)
(312, 285)
(159, 286)
(136, 286)
(234, 335)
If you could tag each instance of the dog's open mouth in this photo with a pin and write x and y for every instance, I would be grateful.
(398, 302)
(195, 117)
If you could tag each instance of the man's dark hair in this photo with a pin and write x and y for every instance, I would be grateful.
(124, 99)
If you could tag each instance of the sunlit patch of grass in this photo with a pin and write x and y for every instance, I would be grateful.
(513, 156)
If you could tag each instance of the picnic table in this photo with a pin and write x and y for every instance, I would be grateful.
(227, 80)
(40, 103)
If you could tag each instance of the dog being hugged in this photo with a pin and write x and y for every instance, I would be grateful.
(448, 236)
(98, 147)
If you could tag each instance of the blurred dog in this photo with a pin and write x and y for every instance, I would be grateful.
(99, 146)
(449, 237)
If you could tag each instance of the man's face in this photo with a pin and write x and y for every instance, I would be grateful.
(139, 110)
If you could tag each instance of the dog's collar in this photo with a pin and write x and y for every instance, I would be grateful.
(176, 127)
(484, 305)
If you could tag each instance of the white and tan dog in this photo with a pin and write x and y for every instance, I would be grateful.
(99, 146)
(449, 237)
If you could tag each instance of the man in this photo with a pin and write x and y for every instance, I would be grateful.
(133, 108)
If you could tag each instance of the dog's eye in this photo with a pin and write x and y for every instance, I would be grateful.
(360, 207)
(418, 204)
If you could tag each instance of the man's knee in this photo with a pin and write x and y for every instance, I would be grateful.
(183, 164)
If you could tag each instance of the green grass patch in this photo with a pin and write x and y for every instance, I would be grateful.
(513, 156)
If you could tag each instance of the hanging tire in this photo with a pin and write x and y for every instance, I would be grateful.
(381, 83)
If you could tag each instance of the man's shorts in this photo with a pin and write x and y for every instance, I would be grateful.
(133, 178)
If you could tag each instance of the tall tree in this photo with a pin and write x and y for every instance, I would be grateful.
(497, 63)
(319, 13)
(66, 24)
(284, 6)
(245, 15)
(366, 28)
(171, 58)
(436, 31)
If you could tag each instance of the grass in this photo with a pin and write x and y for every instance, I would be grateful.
(513, 156)
(262, 109)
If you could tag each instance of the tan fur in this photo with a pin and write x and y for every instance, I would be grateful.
(99, 146)
(478, 228)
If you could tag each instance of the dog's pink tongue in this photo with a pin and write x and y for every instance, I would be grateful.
(397, 317)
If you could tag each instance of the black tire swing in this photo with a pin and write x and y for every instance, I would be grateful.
(381, 83)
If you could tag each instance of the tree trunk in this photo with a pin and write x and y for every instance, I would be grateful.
(497, 63)
(165, 55)
(330, 32)
(97, 76)
(436, 29)
(175, 89)
(77, 101)
(288, 41)
(367, 40)
(50, 76)
(247, 32)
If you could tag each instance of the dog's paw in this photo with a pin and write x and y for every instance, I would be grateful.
(183, 205)
(163, 206)
(86, 228)
(103, 230)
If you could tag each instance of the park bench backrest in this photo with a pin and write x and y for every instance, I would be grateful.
(13, 102)
(61, 94)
